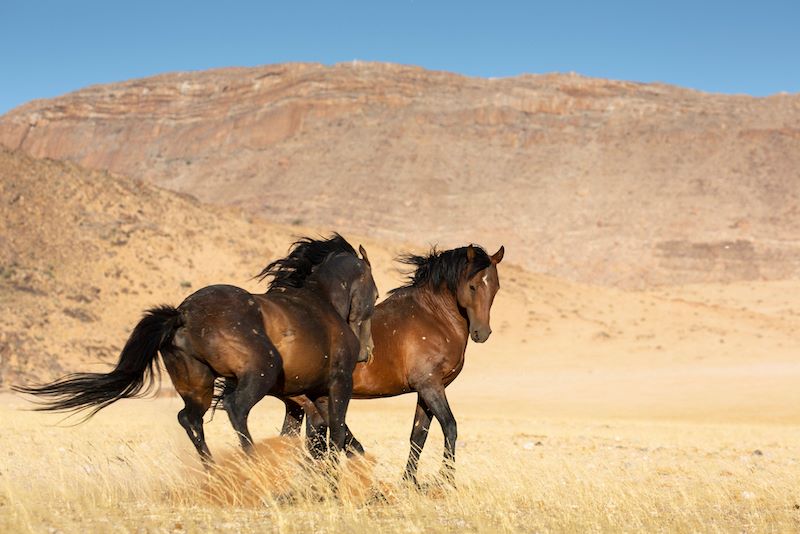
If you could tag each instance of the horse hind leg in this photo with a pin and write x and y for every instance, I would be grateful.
(419, 434)
(340, 391)
(317, 427)
(194, 382)
(293, 420)
(251, 388)
(191, 419)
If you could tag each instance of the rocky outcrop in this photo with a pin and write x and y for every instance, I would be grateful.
(599, 181)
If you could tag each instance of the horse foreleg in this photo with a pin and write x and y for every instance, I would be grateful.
(419, 433)
(340, 391)
(435, 398)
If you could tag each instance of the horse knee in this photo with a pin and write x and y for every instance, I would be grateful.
(341, 379)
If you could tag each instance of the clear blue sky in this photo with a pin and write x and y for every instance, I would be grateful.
(52, 47)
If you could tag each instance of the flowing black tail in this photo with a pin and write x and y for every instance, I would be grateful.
(134, 376)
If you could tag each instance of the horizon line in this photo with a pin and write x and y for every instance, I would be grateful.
(356, 61)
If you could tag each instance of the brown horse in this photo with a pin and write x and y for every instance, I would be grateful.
(420, 335)
(303, 336)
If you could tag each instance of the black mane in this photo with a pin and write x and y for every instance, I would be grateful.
(442, 267)
(305, 254)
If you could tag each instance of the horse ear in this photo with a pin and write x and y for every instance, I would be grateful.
(470, 253)
(364, 255)
(498, 256)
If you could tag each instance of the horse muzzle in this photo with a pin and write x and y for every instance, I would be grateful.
(480, 334)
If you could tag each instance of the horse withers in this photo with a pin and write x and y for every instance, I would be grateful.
(421, 332)
(302, 337)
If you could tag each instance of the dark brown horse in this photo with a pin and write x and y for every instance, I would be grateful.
(420, 335)
(303, 336)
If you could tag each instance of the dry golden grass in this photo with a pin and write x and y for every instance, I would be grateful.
(589, 410)
(132, 469)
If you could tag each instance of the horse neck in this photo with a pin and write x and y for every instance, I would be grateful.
(329, 288)
(442, 302)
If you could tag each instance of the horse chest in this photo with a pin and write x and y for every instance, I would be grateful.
(452, 367)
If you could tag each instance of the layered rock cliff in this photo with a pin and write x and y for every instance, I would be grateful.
(599, 181)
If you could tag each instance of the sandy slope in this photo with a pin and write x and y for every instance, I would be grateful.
(84, 253)
(564, 349)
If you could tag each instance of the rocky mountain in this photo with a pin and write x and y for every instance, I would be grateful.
(598, 181)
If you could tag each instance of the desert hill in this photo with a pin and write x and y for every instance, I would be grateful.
(596, 181)
(82, 253)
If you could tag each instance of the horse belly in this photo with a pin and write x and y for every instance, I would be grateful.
(378, 378)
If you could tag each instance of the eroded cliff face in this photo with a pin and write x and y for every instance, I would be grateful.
(599, 181)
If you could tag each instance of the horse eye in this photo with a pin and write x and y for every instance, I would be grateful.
(472, 288)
